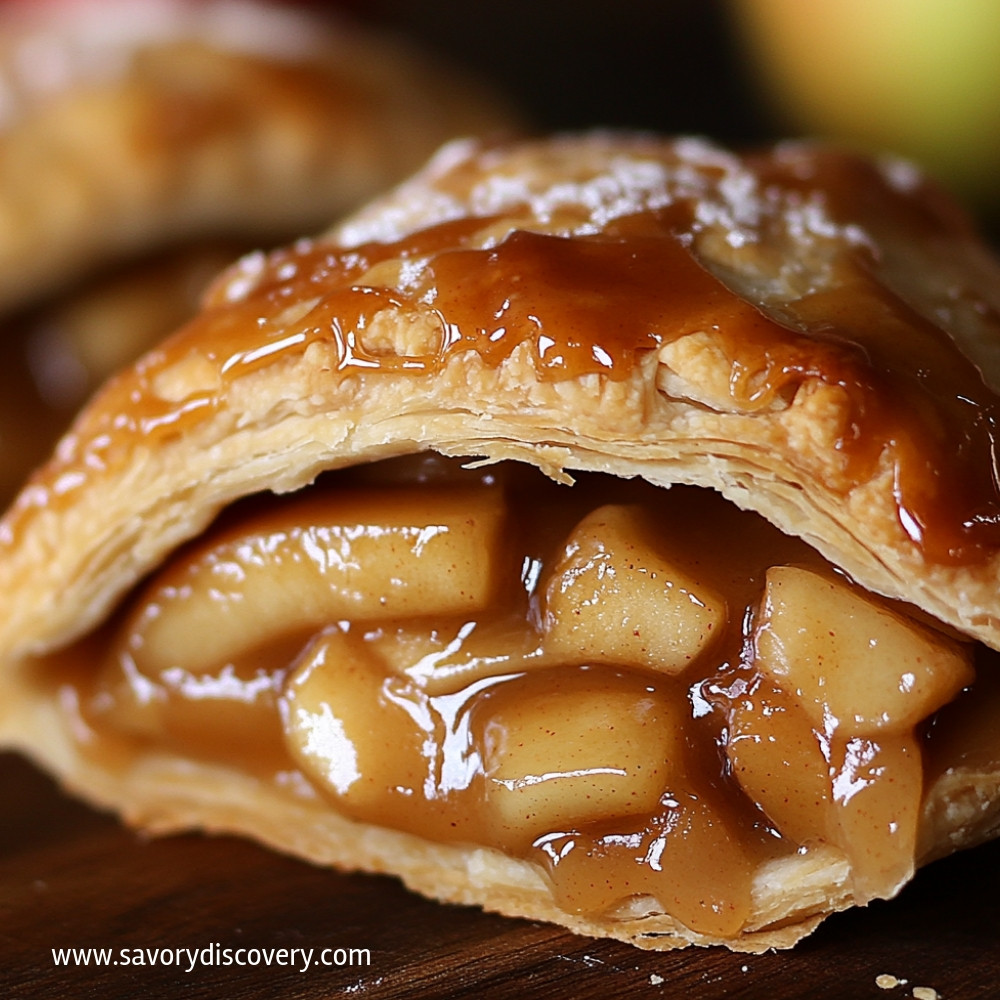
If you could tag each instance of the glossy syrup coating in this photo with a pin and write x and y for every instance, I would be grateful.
(289, 378)
(582, 298)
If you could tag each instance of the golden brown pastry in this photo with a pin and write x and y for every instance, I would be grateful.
(61, 349)
(125, 125)
(375, 560)
(149, 136)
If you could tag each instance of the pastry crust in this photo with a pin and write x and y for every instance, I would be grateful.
(59, 351)
(126, 127)
(201, 422)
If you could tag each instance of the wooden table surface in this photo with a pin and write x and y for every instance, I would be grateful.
(70, 877)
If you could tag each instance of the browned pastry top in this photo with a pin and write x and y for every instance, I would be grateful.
(651, 273)
(834, 319)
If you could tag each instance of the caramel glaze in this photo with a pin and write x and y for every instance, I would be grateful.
(431, 782)
(595, 304)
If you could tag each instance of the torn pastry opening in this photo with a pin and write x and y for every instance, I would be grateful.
(648, 696)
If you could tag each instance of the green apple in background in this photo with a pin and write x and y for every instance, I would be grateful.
(919, 78)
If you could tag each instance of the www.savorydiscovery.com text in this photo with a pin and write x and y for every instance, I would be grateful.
(215, 955)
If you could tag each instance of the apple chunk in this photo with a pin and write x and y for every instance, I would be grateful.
(614, 598)
(860, 794)
(689, 856)
(568, 746)
(854, 666)
(877, 790)
(779, 762)
(316, 559)
(362, 748)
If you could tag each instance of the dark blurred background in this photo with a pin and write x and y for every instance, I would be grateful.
(673, 65)
(918, 79)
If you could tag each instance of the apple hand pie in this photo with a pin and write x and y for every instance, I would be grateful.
(601, 529)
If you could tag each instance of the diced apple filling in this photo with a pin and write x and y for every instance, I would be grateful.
(363, 556)
(853, 665)
(781, 763)
(823, 739)
(614, 598)
(431, 663)
(211, 637)
(576, 747)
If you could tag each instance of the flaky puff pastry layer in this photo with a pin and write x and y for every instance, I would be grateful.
(272, 385)
(126, 127)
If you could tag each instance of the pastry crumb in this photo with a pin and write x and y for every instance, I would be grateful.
(925, 993)
(888, 982)
(655, 980)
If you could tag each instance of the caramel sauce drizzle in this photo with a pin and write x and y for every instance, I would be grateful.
(594, 305)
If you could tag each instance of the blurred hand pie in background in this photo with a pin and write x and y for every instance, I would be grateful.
(143, 146)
